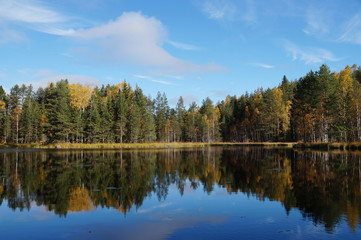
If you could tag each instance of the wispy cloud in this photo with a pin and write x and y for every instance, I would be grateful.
(152, 79)
(183, 46)
(262, 65)
(352, 31)
(162, 82)
(28, 11)
(219, 9)
(132, 38)
(34, 15)
(309, 55)
(147, 210)
(137, 39)
(318, 21)
(174, 77)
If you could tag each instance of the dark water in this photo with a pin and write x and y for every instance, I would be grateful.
(212, 193)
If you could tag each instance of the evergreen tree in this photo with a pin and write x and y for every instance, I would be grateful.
(30, 118)
(321, 106)
(179, 127)
(15, 110)
(58, 113)
(93, 125)
(147, 125)
(314, 105)
(209, 124)
(122, 109)
(191, 120)
(135, 117)
(161, 116)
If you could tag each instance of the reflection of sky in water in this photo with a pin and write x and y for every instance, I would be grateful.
(195, 215)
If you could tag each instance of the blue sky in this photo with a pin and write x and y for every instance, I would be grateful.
(188, 48)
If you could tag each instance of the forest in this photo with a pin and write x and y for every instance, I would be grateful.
(322, 106)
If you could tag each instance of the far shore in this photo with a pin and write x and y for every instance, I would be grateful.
(155, 145)
(174, 145)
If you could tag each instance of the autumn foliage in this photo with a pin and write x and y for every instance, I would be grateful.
(322, 106)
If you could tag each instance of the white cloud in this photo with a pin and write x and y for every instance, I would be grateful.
(152, 79)
(174, 77)
(132, 38)
(309, 55)
(162, 82)
(53, 30)
(150, 209)
(137, 39)
(352, 31)
(28, 11)
(262, 65)
(33, 15)
(219, 9)
(183, 46)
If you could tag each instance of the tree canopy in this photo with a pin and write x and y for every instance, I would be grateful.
(322, 106)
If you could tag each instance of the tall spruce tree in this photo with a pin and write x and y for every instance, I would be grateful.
(161, 116)
(180, 120)
(122, 107)
(30, 118)
(59, 124)
(93, 124)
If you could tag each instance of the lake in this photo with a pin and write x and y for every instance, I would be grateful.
(205, 193)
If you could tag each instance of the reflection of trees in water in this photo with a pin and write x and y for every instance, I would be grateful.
(328, 187)
(324, 186)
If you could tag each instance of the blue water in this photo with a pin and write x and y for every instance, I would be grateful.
(192, 214)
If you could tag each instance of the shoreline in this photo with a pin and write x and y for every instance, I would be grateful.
(155, 145)
(174, 145)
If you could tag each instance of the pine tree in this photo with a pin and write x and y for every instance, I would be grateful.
(147, 125)
(30, 118)
(93, 124)
(15, 109)
(135, 117)
(161, 116)
(314, 105)
(191, 120)
(180, 120)
(58, 113)
(122, 107)
(209, 124)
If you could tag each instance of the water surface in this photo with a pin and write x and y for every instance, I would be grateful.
(210, 193)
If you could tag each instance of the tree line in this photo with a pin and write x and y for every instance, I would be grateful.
(322, 106)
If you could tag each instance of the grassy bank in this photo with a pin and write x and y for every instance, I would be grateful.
(162, 145)
(156, 145)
